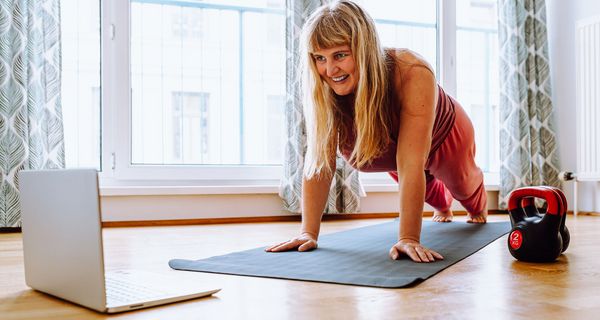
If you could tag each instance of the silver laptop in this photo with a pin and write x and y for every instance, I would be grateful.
(62, 245)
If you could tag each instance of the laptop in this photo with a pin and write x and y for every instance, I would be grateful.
(62, 246)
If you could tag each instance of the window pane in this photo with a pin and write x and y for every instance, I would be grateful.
(80, 81)
(423, 11)
(406, 24)
(477, 75)
(208, 81)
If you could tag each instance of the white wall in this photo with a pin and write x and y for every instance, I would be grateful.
(146, 205)
(561, 18)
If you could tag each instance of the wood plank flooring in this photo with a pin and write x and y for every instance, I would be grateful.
(490, 284)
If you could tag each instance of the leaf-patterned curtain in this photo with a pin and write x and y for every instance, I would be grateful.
(344, 193)
(31, 131)
(529, 153)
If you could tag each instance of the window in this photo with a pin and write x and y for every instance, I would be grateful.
(196, 89)
(477, 75)
(234, 53)
(81, 82)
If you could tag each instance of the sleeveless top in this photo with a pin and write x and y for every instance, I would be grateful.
(444, 121)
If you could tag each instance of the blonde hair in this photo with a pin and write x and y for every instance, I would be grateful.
(335, 24)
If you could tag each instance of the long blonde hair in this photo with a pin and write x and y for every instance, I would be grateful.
(344, 23)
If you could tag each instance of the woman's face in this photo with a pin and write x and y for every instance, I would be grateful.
(336, 67)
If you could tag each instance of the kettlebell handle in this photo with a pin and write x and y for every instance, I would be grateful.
(516, 197)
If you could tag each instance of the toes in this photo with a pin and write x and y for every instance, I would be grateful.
(442, 216)
(477, 219)
(441, 219)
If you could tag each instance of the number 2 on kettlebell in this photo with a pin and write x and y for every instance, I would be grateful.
(516, 238)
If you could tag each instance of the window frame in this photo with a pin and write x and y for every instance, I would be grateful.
(116, 130)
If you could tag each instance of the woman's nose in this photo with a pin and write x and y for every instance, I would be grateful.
(331, 69)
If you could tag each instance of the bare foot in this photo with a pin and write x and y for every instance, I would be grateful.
(442, 216)
(478, 218)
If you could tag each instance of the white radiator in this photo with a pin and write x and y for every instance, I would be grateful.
(587, 68)
(588, 99)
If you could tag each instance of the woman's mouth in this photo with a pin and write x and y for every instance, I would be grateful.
(340, 78)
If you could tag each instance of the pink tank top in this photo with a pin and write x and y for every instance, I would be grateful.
(444, 121)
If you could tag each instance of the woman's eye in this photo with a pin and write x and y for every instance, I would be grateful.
(340, 55)
(319, 58)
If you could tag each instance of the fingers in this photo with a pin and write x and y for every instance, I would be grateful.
(308, 245)
(271, 248)
(300, 244)
(394, 253)
(284, 246)
(416, 253)
(424, 254)
(436, 255)
(278, 247)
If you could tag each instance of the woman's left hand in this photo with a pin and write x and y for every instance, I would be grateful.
(414, 250)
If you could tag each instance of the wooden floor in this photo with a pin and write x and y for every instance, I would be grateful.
(490, 284)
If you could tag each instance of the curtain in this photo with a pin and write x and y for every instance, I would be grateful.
(31, 130)
(529, 152)
(345, 188)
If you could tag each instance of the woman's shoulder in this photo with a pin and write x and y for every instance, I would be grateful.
(408, 65)
(406, 56)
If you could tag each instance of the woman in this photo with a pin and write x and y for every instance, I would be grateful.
(383, 110)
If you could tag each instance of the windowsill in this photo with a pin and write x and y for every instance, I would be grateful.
(116, 191)
(112, 191)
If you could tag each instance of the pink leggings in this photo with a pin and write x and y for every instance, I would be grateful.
(451, 171)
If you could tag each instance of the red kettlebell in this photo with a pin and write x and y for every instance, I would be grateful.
(537, 237)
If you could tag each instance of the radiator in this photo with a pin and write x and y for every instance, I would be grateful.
(588, 99)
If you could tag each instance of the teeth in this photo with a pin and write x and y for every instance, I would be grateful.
(340, 78)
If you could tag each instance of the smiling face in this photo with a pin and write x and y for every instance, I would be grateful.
(336, 67)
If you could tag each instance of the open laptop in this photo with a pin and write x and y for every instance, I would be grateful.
(62, 246)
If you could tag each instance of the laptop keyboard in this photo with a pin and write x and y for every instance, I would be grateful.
(122, 288)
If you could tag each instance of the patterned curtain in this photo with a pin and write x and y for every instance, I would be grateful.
(345, 189)
(31, 132)
(529, 152)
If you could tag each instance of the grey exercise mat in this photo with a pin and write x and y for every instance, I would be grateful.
(357, 256)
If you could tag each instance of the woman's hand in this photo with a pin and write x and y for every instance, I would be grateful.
(414, 250)
(304, 242)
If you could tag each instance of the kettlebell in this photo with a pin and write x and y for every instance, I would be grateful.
(531, 210)
(535, 236)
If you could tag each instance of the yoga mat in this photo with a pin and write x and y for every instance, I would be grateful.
(358, 256)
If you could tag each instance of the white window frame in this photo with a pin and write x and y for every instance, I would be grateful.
(116, 98)
(116, 120)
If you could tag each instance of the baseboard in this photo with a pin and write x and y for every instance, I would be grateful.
(329, 217)
(585, 213)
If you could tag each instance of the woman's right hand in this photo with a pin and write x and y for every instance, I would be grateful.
(304, 242)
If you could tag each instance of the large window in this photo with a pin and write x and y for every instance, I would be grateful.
(196, 89)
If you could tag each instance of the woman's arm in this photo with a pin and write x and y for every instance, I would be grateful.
(414, 142)
(418, 98)
(314, 198)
